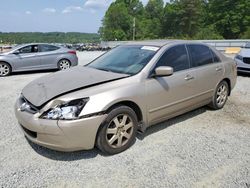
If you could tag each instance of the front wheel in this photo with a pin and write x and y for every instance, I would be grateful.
(64, 64)
(5, 69)
(118, 131)
(220, 96)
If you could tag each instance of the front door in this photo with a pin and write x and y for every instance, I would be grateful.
(27, 58)
(171, 94)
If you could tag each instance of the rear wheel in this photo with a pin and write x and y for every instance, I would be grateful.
(5, 69)
(64, 64)
(118, 131)
(220, 96)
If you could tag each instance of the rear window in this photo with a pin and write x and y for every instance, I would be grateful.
(48, 48)
(200, 55)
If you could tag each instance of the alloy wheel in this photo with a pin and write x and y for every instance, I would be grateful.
(64, 64)
(119, 131)
(4, 69)
(222, 94)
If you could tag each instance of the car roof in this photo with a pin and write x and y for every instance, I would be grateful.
(161, 43)
(158, 43)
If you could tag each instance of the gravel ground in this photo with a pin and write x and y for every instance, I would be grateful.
(202, 148)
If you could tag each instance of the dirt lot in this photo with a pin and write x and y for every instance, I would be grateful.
(202, 148)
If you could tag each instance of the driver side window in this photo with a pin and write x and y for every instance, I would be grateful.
(175, 57)
(29, 49)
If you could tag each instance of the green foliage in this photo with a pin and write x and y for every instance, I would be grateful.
(53, 37)
(229, 17)
(246, 35)
(186, 19)
(207, 33)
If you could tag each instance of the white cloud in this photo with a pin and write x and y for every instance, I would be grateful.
(72, 9)
(49, 10)
(97, 4)
(28, 12)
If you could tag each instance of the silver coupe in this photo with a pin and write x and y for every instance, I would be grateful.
(30, 57)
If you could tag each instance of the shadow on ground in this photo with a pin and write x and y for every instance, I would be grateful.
(63, 156)
(158, 127)
(79, 155)
(33, 72)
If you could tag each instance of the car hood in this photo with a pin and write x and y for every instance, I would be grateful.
(42, 90)
(245, 52)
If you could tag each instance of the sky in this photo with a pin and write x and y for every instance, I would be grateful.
(53, 15)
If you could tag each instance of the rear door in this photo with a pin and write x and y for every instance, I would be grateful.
(48, 55)
(27, 58)
(170, 95)
(209, 70)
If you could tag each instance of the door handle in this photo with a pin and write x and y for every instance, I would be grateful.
(189, 77)
(218, 69)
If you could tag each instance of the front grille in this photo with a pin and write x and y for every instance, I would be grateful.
(243, 69)
(29, 132)
(246, 60)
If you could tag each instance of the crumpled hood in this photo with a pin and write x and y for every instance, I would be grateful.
(43, 89)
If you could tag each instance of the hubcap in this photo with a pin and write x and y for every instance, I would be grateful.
(64, 64)
(4, 70)
(119, 131)
(221, 95)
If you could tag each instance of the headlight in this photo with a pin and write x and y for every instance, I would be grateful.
(239, 57)
(66, 111)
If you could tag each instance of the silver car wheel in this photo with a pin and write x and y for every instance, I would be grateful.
(64, 64)
(119, 131)
(4, 69)
(222, 94)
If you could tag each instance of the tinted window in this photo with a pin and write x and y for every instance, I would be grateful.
(200, 55)
(175, 57)
(29, 49)
(48, 48)
(215, 57)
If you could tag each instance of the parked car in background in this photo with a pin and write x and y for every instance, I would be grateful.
(243, 59)
(126, 90)
(29, 57)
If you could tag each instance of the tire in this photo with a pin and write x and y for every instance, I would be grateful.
(64, 64)
(5, 69)
(118, 131)
(220, 96)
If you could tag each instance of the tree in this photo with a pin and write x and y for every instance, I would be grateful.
(152, 21)
(118, 20)
(229, 17)
(182, 18)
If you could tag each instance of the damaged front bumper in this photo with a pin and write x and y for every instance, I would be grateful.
(59, 135)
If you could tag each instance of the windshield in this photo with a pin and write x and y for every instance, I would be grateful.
(125, 59)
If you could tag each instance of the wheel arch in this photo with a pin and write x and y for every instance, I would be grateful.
(229, 85)
(2, 61)
(130, 104)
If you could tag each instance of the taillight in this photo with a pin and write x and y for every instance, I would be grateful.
(72, 52)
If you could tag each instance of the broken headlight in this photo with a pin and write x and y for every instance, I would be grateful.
(66, 111)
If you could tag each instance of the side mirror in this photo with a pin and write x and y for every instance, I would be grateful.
(16, 52)
(164, 71)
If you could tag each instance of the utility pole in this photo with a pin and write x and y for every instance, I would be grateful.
(134, 29)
